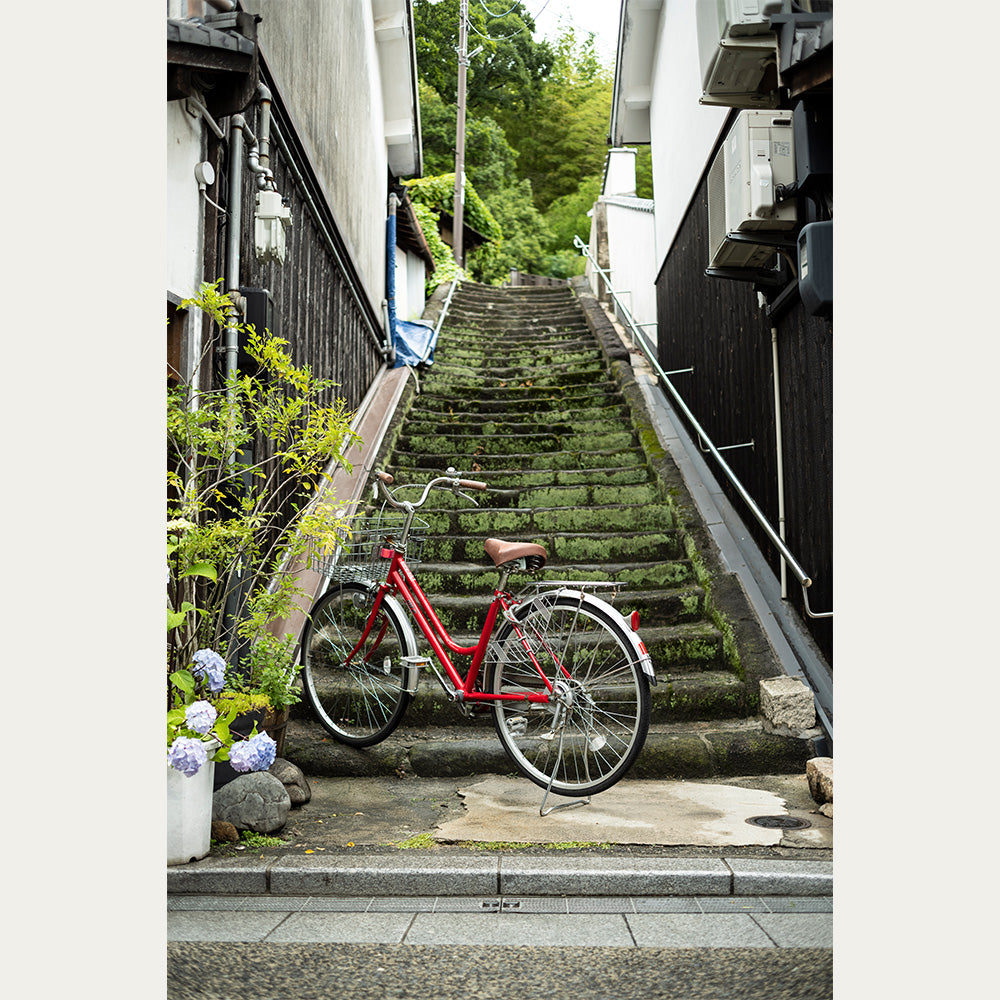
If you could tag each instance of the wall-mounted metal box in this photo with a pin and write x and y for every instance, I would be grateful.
(816, 268)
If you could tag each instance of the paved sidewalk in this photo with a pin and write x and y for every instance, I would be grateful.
(511, 921)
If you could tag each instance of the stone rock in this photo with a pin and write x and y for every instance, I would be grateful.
(819, 772)
(786, 701)
(225, 831)
(256, 801)
(293, 779)
(827, 809)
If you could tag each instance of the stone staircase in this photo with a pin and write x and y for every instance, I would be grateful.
(531, 392)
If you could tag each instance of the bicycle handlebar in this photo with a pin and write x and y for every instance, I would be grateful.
(385, 480)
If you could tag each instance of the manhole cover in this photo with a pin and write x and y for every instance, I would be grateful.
(779, 822)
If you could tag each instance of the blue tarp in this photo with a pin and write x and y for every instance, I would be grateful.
(412, 341)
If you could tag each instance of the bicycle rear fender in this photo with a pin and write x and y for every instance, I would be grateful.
(637, 645)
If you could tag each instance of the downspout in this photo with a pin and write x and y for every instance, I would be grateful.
(390, 273)
(230, 343)
(780, 460)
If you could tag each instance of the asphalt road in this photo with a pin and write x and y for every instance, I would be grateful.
(221, 971)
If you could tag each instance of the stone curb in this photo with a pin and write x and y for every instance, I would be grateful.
(492, 874)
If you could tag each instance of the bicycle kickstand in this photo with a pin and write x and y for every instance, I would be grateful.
(542, 811)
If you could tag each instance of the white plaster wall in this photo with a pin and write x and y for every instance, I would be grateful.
(631, 249)
(324, 59)
(185, 217)
(682, 131)
(416, 278)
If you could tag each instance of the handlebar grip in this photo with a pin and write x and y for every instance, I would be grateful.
(385, 477)
(472, 484)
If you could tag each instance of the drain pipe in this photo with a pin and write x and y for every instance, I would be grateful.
(390, 273)
(230, 343)
(780, 459)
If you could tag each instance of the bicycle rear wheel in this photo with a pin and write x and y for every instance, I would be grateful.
(595, 723)
(358, 699)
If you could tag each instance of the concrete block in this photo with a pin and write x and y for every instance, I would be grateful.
(786, 701)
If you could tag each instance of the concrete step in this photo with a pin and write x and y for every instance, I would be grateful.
(709, 749)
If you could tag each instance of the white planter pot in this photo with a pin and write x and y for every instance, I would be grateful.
(189, 814)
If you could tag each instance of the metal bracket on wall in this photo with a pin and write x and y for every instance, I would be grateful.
(724, 447)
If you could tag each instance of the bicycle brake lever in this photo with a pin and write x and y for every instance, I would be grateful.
(472, 500)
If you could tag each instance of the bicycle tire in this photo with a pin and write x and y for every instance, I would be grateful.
(587, 739)
(361, 703)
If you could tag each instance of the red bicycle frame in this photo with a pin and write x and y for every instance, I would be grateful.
(400, 580)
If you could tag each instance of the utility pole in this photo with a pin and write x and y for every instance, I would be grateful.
(463, 62)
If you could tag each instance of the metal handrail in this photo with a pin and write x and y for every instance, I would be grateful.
(793, 564)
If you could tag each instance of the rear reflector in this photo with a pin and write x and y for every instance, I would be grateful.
(634, 621)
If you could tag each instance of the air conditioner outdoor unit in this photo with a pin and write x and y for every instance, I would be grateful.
(737, 53)
(757, 155)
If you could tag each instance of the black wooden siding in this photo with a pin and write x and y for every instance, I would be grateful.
(716, 326)
(319, 303)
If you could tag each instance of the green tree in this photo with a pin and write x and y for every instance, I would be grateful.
(565, 138)
(490, 160)
(524, 239)
(504, 77)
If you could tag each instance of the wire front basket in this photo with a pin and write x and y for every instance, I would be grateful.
(359, 557)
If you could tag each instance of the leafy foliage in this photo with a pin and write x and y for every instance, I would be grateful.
(234, 518)
(502, 79)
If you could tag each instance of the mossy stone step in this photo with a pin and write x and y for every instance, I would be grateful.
(521, 374)
(720, 748)
(564, 548)
(476, 578)
(498, 413)
(457, 379)
(488, 349)
(497, 435)
(483, 445)
(466, 613)
(518, 397)
(556, 423)
(514, 478)
(709, 695)
(564, 460)
(498, 521)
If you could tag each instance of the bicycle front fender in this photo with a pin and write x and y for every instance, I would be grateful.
(611, 612)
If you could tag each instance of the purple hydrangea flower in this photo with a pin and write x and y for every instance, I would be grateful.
(187, 755)
(254, 754)
(200, 716)
(208, 663)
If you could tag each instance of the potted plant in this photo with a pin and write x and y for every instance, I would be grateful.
(246, 461)
(198, 736)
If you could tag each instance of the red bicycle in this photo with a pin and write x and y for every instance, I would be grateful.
(565, 674)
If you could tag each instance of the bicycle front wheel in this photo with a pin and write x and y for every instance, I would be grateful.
(355, 687)
(589, 733)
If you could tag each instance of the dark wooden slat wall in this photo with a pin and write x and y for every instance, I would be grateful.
(716, 326)
(314, 308)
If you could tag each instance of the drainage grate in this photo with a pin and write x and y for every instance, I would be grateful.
(779, 822)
